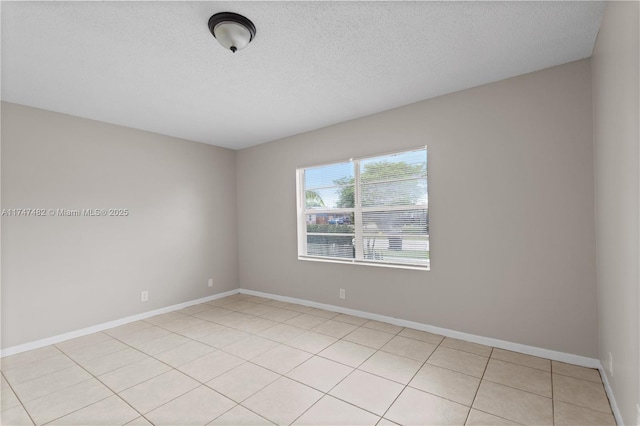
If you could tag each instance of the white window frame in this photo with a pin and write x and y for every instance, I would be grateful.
(357, 210)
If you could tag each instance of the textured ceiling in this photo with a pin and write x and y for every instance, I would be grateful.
(155, 66)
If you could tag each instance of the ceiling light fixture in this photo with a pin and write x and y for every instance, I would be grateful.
(232, 31)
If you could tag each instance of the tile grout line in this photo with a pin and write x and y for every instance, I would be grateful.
(18, 398)
(452, 370)
(158, 375)
(397, 333)
(175, 369)
(354, 369)
(151, 356)
(480, 383)
(256, 333)
(29, 362)
(412, 377)
(515, 388)
(341, 380)
(252, 363)
(553, 402)
(522, 365)
(153, 377)
(500, 417)
(45, 375)
(201, 383)
(106, 386)
(56, 391)
(222, 349)
(160, 325)
(239, 404)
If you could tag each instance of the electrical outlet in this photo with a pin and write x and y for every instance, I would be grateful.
(210, 284)
(144, 296)
(610, 364)
(343, 294)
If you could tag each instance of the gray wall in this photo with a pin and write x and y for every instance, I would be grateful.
(511, 213)
(60, 274)
(616, 136)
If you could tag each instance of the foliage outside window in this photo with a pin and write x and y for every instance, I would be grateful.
(371, 210)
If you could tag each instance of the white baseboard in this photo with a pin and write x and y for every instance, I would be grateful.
(106, 325)
(612, 400)
(497, 343)
(502, 344)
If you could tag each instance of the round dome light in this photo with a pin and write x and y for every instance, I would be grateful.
(233, 31)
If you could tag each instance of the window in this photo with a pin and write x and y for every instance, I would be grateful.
(370, 210)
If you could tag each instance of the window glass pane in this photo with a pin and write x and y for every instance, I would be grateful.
(398, 222)
(331, 246)
(396, 249)
(330, 175)
(391, 210)
(404, 165)
(329, 198)
(330, 223)
(408, 192)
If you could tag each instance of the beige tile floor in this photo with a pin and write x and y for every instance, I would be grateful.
(245, 360)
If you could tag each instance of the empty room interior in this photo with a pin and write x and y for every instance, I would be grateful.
(320, 213)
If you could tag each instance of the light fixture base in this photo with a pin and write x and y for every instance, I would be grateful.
(229, 39)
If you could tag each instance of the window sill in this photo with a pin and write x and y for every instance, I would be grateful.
(426, 267)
